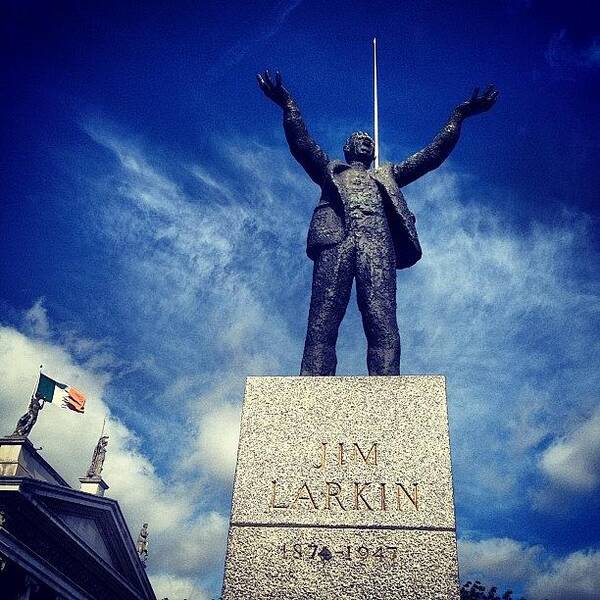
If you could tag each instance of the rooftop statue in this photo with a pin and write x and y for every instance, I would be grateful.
(142, 543)
(27, 421)
(361, 230)
(98, 457)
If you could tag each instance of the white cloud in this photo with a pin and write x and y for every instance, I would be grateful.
(177, 588)
(495, 560)
(179, 246)
(573, 461)
(505, 561)
(217, 442)
(212, 182)
(575, 577)
(199, 264)
(36, 320)
(173, 508)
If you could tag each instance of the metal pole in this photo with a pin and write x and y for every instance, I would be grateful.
(35, 386)
(375, 105)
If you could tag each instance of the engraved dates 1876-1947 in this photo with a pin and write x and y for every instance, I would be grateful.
(320, 551)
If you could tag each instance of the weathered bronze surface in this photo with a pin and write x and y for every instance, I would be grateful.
(361, 230)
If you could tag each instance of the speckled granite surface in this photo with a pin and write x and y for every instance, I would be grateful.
(343, 489)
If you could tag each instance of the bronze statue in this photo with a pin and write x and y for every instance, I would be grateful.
(361, 230)
(98, 457)
(27, 421)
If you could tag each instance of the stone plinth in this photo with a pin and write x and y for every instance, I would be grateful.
(18, 458)
(343, 490)
(93, 485)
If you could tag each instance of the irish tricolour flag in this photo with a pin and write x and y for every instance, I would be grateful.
(53, 391)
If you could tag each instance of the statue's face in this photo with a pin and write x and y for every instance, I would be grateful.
(360, 147)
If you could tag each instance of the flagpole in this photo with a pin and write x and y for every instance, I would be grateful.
(35, 385)
(375, 105)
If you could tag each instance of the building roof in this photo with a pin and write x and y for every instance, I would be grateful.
(77, 543)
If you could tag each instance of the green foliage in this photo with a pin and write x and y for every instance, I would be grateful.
(476, 591)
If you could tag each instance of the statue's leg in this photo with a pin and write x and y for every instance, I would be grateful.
(376, 296)
(20, 429)
(332, 282)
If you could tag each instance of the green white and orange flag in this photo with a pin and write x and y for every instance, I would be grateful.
(53, 391)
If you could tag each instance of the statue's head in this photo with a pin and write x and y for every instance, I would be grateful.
(359, 147)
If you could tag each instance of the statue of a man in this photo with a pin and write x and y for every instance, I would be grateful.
(98, 457)
(27, 421)
(361, 230)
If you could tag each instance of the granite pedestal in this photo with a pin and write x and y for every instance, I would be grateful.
(343, 490)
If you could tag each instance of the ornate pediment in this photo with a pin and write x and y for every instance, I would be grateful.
(82, 536)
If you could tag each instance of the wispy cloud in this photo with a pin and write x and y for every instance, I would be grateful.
(484, 305)
(35, 320)
(566, 59)
(265, 29)
(215, 283)
(487, 305)
(167, 586)
(203, 263)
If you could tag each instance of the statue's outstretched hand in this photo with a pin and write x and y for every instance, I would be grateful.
(273, 88)
(477, 104)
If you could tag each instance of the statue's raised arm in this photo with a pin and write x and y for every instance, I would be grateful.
(302, 146)
(433, 155)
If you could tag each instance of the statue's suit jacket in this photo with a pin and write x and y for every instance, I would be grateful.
(329, 224)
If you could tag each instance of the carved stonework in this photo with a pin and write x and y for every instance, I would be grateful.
(343, 484)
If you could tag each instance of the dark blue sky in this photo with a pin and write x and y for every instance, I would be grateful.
(182, 78)
(149, 204)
